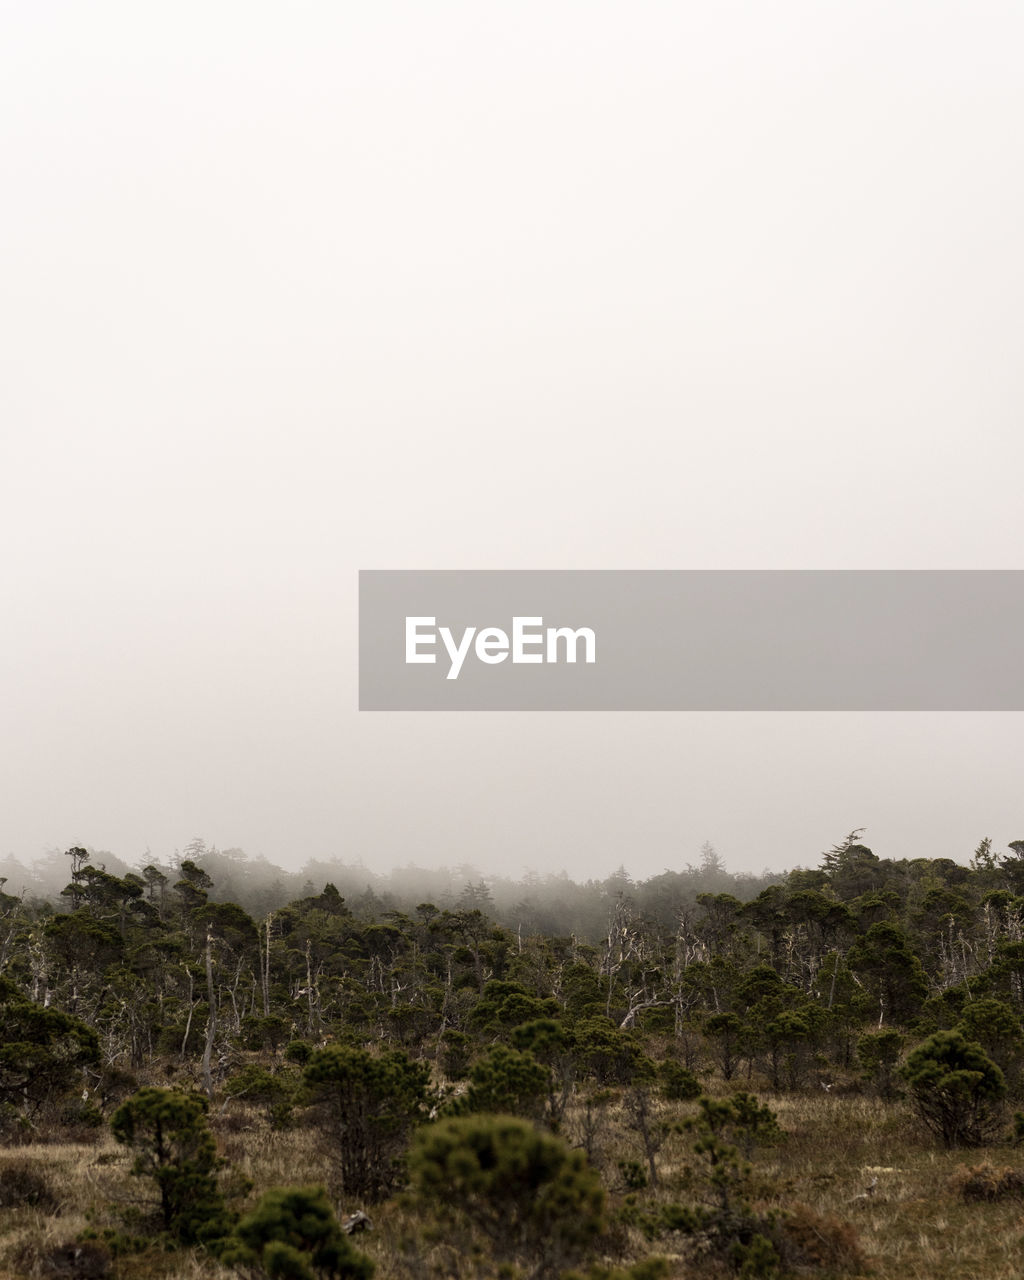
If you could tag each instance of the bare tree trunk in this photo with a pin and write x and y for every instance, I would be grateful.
(266, 969)
(188, 1023)
(211, 1021)
(233, 992)
(309, 986)
(835, 974)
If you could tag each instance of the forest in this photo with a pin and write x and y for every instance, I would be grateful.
(212, 1067)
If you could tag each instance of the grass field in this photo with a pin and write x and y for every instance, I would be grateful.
(913, 1224)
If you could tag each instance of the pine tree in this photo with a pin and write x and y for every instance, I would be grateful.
(173, 1145)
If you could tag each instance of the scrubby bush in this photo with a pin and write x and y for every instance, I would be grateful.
(608, 1055)
(173, 1145)
(23, 1184)
(269, 1032)
(273, 1093)
(751, 1124)
(548, 1041)
(642, 1116)
(722, 1217)
(367, 1105)
(510, 1081)
(292, 1234)
(42, 1051)
(807, 1240)
(987, 1182)
(727, 1033)
(633, 1175)
(997, 1028)
(454, 1053)
(785, 1039)
(76, 1260)
(299, 1051)
(878, 1053)
(80, 1114)
(536, 1201)
(678, 1084)
(957, 1089)
(594, 1120)
(505, 1005)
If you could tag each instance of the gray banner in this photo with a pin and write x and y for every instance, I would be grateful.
(757, 640)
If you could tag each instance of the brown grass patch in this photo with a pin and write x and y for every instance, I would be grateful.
(986, 1181)
(824, 1242)
(24, 1185)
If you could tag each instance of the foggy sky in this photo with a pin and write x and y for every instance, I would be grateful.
(291, 291)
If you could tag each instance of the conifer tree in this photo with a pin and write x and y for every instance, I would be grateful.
(173, 1145)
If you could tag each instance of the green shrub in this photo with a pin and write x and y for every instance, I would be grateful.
(633, 1175)
(997, 1028)
(957, 1089)
(173, 1145)
(524, 1190)
(273, 1093)
(677, 1083)
(81, 1113)
(722, 1217)
(455, 1051)
(299, 1051)
(367, 1104)
(751, 1124)
(505, 1005)
(292, 1234)
(608, 1055)
(42, 1051)
(510, 1081)
(878, 1053)
(269, 1032)
(727, 1034)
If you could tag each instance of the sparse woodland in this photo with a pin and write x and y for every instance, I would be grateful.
(820, 1073)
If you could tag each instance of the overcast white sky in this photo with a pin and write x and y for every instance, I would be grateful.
(290, 291)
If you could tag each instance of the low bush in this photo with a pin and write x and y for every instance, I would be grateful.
(293, 1233)
(298, 1051)
(805, 1239)
(24, 1185)
(678, 1084)
(76, 1260)
(523, 1190)
(273, 1094)
(987, 1182)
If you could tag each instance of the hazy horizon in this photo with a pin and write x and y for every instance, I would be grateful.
(295, 293)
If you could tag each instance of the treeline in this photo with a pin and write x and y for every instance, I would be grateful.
(552, 904)
(159, 962)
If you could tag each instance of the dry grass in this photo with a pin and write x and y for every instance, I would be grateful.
(872, 1164)
(847, 1159)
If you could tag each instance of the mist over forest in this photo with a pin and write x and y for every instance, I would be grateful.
(532, 904)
